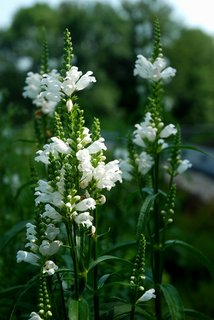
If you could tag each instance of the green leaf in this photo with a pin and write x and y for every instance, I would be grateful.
(189, 147)
(103, 280)
(23, 290)
(121, 246)
(9, 235)
(106, 258)
(196, 315)
(173, 300)
(78, 310)
(144, 213)
(193, 250)
(123, 310)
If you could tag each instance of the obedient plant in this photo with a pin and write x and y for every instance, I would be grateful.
(61, 242)
(153, 159)
(67, 197)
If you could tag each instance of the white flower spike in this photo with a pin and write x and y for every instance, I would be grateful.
(153, 71)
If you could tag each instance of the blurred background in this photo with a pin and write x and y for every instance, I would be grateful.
(107, 36)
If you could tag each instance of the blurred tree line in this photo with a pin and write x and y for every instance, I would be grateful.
(106, 40)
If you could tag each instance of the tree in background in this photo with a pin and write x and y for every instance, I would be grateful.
(193, 53)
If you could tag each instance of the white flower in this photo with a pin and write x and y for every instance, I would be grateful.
(51, 86)
(85, 204)
(33, 87)
(148, 295)
(31, 231)
(51, 213)
(29, 257)
(97, 146)
(153, 71)
(75, 81)
(85, 167)
(55, 147)
(51, 232)
(49, 248)
(84, 218)
(126, 169)
(168, 131)
(145, 131)
(34, 316)
(83, 155)
(162, 144)
(183, 166)
(60, 146)
(50, 267)
(145, 162)
(107, 175)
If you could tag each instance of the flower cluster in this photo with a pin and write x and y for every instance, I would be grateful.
(153, 71)
(151, 134)
(47, 90)
(59, 202)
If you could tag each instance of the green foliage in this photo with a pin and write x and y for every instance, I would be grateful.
(174, 303)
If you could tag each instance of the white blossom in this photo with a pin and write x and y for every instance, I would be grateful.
(33, 85)
(51, 231)
(97, 146)
(126, 169)
(29, 257)
(51, 213)
(75, 81)
(145, 162)
(107, 175)
(145, 131)
(84, 218)
(49, 248)
(85, 204)
(168, 131)
(35, 316)
(148, 295)
(50, 267)
(51, 86)
(183, 166)
(153, 71)
(55, 147)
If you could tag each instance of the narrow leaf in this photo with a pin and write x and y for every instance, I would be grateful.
(193, 250)
(144, 213)
(78, 310)
(173, 301)
(9, 235)
(196, 315)
(121, 246)
(103, 280)
(105, 258)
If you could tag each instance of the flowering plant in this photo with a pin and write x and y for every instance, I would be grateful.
(61, 242)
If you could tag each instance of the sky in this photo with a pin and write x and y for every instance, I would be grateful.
(191, 13)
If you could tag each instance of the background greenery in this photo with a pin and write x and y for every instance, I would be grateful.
(105, 41)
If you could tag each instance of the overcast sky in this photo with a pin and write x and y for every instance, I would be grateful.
(191, 12)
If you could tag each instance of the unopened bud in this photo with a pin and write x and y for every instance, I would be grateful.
(69, 105)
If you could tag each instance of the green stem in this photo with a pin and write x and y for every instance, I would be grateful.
(157, 256)
(95, 273)
(132, 314)
(73, 251)
(62, 297)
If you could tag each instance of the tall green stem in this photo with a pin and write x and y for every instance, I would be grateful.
(95, 273)
(72, 244)
(157, 257)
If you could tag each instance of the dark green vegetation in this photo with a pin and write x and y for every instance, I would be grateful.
(106, 41)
